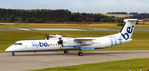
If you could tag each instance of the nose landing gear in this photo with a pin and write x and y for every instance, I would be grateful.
(13, 54)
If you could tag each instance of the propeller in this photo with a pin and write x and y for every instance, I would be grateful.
(60, 41)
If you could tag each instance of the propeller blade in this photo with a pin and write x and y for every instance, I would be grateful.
(47, 37)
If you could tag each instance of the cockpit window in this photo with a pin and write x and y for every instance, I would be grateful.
(18, 44)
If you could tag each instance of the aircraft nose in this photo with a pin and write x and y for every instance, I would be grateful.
(9, 49)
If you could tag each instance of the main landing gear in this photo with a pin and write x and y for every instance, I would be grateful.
(13, 54)
(65, 51)
(80, 53)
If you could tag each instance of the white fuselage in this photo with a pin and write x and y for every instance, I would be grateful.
(69, 44)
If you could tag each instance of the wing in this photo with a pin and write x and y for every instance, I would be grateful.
(84, 41)
(55, 36)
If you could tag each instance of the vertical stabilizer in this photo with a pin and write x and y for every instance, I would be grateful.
(128, 28)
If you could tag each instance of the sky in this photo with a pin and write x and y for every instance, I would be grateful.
(88, 6)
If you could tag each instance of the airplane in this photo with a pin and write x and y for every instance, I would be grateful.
(59, 43)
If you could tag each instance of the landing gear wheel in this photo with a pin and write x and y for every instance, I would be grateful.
(65, 51)
(80, 54)
(13, 54)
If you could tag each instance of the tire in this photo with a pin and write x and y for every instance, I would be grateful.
(80, 54)
(13, 54)
(65, 51)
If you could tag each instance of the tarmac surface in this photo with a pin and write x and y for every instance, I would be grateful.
(39, 60)
(65, 29)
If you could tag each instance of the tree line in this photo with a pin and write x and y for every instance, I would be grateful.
(124, 13)
(134, 14)
(47, 16)
(141, 16)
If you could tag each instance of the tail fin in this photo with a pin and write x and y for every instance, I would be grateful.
(128, 28)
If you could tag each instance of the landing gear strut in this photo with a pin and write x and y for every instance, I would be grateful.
(65, 51)
(13, 54)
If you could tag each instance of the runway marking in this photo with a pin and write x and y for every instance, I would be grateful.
(23, 29)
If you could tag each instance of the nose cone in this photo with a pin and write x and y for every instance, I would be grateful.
(9, 49)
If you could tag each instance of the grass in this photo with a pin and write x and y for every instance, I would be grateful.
(140, 42)
(55, 25)
(123, 65)
(66, 25)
